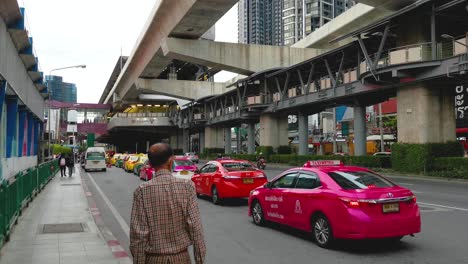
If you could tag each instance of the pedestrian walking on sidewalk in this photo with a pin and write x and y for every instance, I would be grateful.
(165, 217)
(62, 164)
(70, 164)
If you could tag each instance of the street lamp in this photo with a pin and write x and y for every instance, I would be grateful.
(50, 97)
(447, 36)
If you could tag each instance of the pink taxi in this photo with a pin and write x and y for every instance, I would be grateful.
(182, 168)
(334, 201)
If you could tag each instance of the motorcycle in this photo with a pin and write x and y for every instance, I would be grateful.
(261, 164)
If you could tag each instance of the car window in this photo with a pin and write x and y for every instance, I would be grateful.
(352, 180)
(95, 155)
(238, 166)
(183, 163)
(287, 181)
(307, 181)
(213, 168)
(205, 169)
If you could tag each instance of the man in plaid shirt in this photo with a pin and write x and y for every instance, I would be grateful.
(165, 216)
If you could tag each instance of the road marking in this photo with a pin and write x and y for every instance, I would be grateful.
(114, 211)
(444, 206)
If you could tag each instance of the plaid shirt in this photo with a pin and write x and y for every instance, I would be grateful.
(165, 218)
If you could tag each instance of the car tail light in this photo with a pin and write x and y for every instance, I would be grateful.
(413, 200)
(356, 203)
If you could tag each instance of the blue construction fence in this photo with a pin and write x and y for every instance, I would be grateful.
(18, 192)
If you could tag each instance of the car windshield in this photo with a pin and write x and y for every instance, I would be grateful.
(144, 159)
(238, 166)
(353, 180)
(116, 156)
(133, 158)
(95, 155)
(183, 163)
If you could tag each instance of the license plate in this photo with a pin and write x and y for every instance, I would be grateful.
(95, 162)
(248, 181)
(391, 208)
(184, 173)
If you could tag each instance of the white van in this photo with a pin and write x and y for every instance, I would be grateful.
(95, 159)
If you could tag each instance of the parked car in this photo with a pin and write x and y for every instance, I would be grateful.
(114, 158)
(333, 201)
(192, 156)
(139, 164)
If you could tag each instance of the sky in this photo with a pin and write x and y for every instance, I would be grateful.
(95, 33)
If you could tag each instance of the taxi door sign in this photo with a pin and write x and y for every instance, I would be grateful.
(298, 209)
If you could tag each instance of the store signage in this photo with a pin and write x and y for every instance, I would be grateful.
(461, 101)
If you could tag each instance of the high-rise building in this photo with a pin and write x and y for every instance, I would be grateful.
(299, 21)
(260, 22)
(61, 91)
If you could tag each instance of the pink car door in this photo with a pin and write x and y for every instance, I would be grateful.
(274, 201)
(303, 199)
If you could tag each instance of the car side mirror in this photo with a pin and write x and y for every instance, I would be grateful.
(197, 171)
(268, 185)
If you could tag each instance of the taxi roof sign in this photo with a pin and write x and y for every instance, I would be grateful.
(317, 163)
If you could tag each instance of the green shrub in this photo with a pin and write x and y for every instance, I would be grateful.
(364, 161)
(284, 150)
(453, 163)
(266, 150)
(420, 157)
(250, 157)
(454, 173)
(212, 151)
(59, 149)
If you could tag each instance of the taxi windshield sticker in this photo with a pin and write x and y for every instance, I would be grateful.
(298, 209)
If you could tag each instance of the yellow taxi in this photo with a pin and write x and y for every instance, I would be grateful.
(130, 163)
(114, 158)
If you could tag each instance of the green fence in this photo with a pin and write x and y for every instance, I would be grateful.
(17, 192)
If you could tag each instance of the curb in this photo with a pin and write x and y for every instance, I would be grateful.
(114, 245)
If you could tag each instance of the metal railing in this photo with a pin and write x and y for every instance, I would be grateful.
(18, 192)
(145, 114)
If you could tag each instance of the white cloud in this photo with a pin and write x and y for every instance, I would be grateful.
(94, 33)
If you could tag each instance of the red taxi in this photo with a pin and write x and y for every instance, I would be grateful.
(334, 201)
(227, 178)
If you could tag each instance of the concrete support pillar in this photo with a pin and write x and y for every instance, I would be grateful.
(214, 137)
(360, 131)
(273, 130)
(227, 140)
(303, 132)
(425, 114)
(251, 138)
(201, 141)
(176, 140)
(186, 140)
(239, 140)
(147, 145)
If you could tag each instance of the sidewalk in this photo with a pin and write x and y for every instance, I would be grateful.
(63, 201)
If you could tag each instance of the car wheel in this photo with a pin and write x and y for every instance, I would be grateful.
(104, 169)
(86, 170)
(215, 196)
(322, 231)
(257, 213)
(395, 240)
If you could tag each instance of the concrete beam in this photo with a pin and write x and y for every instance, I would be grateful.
(189, 90)
(182, 18)
(244, 59)
(354, 18)
(15, 73)
(9, 10)
(387, 4)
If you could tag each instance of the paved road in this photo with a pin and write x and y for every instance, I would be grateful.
(233, 238)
